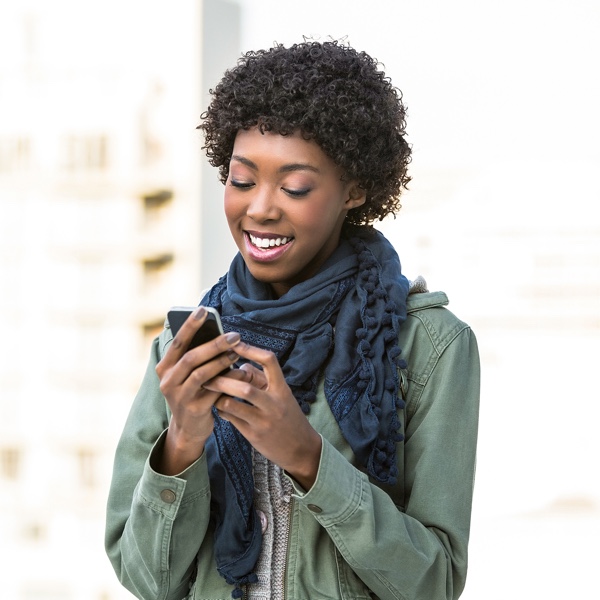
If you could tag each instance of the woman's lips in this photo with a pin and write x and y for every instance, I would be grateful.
(265, 248)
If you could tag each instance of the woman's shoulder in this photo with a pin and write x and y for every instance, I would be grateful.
(430, 328)
(441, 354)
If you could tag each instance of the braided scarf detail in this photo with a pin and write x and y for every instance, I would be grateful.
(342, 324)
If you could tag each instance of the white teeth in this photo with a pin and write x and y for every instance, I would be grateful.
(269, 242)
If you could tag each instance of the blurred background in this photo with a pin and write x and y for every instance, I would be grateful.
(109, 214)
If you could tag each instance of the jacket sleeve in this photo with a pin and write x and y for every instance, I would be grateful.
(148, 513)
(418, 552)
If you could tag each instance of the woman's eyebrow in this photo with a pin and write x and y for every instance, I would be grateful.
(244, 161)
(283, 169)
(298, 167)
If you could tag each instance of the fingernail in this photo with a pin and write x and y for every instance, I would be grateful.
(233, 337)
(199, 313)
(232, 356)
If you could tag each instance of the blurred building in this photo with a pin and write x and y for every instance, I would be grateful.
(109, 214)
(517, 248)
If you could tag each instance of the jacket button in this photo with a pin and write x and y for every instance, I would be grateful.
(314, 508)
(168, 496)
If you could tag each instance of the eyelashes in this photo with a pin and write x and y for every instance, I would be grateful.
(297, 193)
(243, 185)
(240, 184)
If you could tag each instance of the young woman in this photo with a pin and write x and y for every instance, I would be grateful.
(337, 461)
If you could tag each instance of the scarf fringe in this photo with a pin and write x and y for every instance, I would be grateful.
(382, 462)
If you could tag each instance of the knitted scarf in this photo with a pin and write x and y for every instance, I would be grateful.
(342, 324)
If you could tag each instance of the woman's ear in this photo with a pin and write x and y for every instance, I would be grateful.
(357, 195)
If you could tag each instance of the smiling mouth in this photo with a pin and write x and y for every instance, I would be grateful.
(264, 243)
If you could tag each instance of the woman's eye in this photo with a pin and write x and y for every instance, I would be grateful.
(241, 184)
(296, 193)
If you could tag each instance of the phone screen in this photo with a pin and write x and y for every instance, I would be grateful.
(211, 328)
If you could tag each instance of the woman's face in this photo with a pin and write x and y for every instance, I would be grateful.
(285, 203)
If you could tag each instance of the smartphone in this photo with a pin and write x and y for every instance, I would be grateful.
(211, 328)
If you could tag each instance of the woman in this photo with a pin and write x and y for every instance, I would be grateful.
(337, 461)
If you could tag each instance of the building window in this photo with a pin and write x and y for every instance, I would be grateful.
(85, 153)
(10, 462)
(157, 199)
(151, 329)
(156, 269)
(86, 459)
(45, 591)
(15, 154)
(34, 531)
(155, 204)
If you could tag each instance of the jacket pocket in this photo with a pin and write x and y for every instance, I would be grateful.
(351, 586)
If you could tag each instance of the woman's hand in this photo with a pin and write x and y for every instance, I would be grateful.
(182, 376)
(270, 419)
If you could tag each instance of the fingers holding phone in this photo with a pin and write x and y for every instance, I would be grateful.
(199, 352)
(198, 340)
(203, 326)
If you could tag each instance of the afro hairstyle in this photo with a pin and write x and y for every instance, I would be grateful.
(333, 95)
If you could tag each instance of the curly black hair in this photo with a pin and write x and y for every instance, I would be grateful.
(332, 94)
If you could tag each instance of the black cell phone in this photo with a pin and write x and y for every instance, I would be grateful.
(211, 328)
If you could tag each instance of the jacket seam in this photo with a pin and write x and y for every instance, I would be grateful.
(354, 503)
(432, 363)
(354, 564)
(389, 587)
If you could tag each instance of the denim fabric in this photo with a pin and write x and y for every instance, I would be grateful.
(350, 538)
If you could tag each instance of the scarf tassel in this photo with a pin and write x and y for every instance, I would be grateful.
(238, 592)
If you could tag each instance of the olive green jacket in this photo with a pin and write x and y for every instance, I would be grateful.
(348, 538)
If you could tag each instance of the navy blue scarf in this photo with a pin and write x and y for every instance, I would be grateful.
(342, 324)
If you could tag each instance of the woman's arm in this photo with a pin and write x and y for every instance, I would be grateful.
(159, 502)
(149, 515)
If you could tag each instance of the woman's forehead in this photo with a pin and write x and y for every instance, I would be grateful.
(293, 149)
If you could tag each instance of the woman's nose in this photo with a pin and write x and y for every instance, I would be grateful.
(263, 206)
